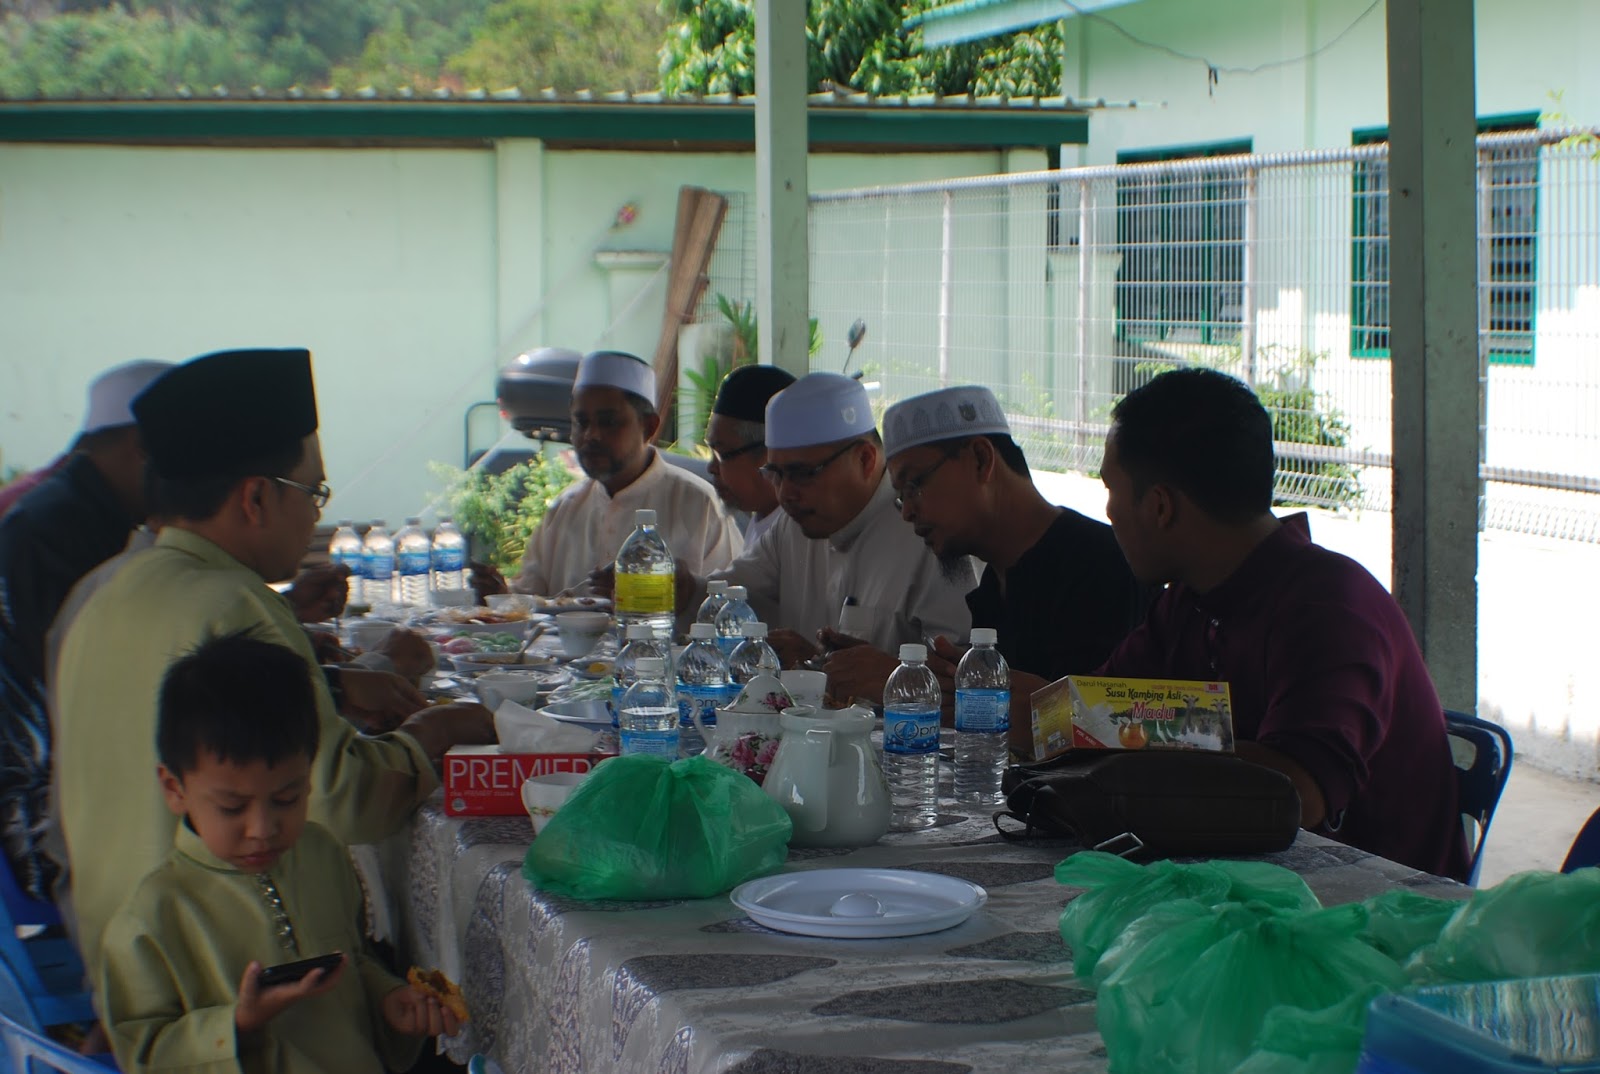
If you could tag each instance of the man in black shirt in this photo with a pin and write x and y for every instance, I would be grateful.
(1056, 587)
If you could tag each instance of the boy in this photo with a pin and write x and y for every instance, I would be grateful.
(249, 883)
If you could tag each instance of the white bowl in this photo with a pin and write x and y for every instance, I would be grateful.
(505, 602)
(542, 796)
(499, 686)
(581, 631)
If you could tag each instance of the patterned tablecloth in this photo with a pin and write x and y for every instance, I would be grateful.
(686, 986)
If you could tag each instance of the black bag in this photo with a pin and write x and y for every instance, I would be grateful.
(1172, 802)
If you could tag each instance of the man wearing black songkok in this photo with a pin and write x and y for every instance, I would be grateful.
(236, 468)
(737, 437)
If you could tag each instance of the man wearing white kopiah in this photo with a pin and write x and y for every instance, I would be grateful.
(614, 420)
(841, 538)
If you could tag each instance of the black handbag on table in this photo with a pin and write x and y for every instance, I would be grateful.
(1163, 802)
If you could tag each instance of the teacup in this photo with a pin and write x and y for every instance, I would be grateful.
(543, 795)
(806, 687)
(497, 686)
(581, 631)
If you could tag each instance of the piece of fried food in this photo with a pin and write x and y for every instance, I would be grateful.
(442, 988)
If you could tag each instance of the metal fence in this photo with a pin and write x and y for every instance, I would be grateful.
(1063, 290)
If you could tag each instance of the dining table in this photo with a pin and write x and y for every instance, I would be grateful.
(682, 986)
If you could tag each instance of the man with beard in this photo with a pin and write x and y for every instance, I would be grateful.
(737, 437)
(1056, 588)
(613, 423)
(839, 541)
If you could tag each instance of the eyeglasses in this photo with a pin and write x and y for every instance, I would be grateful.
(800, 474)
(911, 491)
(320, 493)
(722, 457)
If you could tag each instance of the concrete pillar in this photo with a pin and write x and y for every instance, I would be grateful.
(782, 246)
(1436, 362)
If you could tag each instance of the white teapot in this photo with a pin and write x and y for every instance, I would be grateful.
(827, 777)
(745, 735)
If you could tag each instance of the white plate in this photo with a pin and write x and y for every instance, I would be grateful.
(593, 713)
(571, 604)
(887, 902)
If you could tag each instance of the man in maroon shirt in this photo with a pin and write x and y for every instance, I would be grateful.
(1328, 684)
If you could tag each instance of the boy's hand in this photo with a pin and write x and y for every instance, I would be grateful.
(410, 1012)
(257, 1006)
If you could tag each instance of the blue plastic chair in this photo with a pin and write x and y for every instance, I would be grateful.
(1482, 753)
(32, 1053)
(41, 976)
(1586, 847)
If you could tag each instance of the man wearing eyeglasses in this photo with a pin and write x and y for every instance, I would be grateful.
(1056, 588)
(235, 469)
(737, 437)
(839, 539)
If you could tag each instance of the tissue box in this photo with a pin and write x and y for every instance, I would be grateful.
(1086, 712)
(484, 781)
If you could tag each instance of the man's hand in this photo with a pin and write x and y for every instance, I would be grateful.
(942, 661)
(326, 648)
(486, 580)
(319, 593)
(410, 1012)
(461, 723)
(792, 649)
(410, 654)
(377, 701)
(857, 670)
(257, 1006)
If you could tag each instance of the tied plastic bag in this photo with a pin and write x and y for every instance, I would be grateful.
(1400, 922)
(1295, 1041)
(1533, 924)
(1121, 891)
(643, 828)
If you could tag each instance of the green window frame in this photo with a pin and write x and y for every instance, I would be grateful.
(1511, 276)
(1181, 240)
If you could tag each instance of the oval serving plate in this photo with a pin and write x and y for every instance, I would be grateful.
(829, 902)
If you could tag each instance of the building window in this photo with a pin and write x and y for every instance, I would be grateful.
(1181, 237)
(1508, 185)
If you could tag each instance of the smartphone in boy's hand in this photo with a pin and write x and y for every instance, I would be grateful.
(289, 972)
(266, 993)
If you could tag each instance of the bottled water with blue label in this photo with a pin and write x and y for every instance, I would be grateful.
(983, 718)
(753, 656)
(377, 565)
(650, 713)
(911, 702)
(638, 642)
(716, 598)
(449, 556)
(414, 563)
(732, 619)
(703, 686)
(345, 550)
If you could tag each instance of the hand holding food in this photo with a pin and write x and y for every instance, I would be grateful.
(447, 992)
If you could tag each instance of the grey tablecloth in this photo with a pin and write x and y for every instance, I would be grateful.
(688, 986)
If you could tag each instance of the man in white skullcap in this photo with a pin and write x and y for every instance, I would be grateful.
(614, 421)
(75, 518)
(1055, 587)
(840, 540)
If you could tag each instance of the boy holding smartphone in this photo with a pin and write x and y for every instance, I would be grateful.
(249, 883)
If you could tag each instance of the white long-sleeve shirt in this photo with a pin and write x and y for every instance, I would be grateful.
(586, 525)
(902, 594)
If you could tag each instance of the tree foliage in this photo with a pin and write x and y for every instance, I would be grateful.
(565, 44)
(854, 44)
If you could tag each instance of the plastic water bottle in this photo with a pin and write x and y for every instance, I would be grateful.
(414, 563)
(703, 686)
(983, 716)
(911, 740)
(753, 656)
(345, 549)
(645, 576)
(716, 598)
(448, 556)
(639, 641)
(377, 565)
(649, 712)
(733, 618)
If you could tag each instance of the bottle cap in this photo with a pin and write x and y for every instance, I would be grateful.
(983, 635)
(378, 525)
(647, 666)
(639, 630)
(738, 592)
(699, 631)
(716, 586)
(755, 630)
(343, 522)
(913, 651)
(644, 516)
(413, 521)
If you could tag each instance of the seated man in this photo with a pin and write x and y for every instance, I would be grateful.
(1056, 588)
(737, 436)
(614, 421)
(1328, 684)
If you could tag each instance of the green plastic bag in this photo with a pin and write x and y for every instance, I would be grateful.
(642, 828)
(1400, 922)
(1296, 1041)
(1120, 891)
(1534, 924)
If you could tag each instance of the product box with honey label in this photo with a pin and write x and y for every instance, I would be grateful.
(1085, 712)
(481, 781)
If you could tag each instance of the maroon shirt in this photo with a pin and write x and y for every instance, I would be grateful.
(1322, 666)
(23, 484)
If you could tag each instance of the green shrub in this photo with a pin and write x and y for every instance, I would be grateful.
(499, 512)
